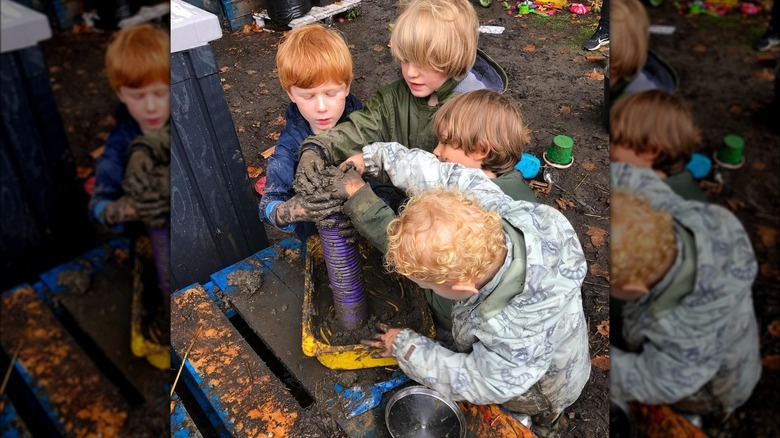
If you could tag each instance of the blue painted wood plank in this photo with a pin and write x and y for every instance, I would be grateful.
(11, 425)
(182, 425)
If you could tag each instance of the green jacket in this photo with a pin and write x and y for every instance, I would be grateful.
(395, 115)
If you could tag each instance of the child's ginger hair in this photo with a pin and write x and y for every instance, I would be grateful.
(483, 121)
(656, 122)
(311, 56)
(437, 35)
(642, 240)
(138, 56)
(630, 36)
(444, 236)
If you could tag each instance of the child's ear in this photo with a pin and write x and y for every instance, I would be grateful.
(481, 153)
(292, 99)
(470, 288)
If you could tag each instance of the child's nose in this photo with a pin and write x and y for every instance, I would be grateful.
(321, 103)
(151, 103)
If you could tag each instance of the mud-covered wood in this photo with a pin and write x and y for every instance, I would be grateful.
(11, 424)
(247, 397)
(214, 215)
(77, 398)
(274, 313)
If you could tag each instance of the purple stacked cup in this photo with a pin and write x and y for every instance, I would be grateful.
(345, 273)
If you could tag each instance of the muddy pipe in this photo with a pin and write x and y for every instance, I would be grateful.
(345, 273)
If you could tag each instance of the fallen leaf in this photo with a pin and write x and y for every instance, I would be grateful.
(261, 84)
(594, 57)
(759, 166)
(564, 203)
(253, 171)
(601, 361)
(734, 204)
(564, 51)
(273, 136)
(529, 47)
(772, 362)
(247, 29)
(224, 69)
(251, 72)
(240, 128)
(268, 152)
(596, 235)
(769, 270)
(279, 121)
(378, 48)
(765, 74)
(565, 109)
(768, 236)
(603, 328)
(263, 92)
(735, 109)
(774, 328)
(226, 87)
(598, 271)
(586, 105)
(588, 165)
(699, 48)
(97, 152)
(593, 74)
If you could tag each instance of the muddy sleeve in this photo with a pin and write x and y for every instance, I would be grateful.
(370, 216)
(280, 174)
(109, 174)
(368, 125)
(414, 169)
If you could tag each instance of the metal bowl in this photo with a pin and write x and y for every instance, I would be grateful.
(418, 412)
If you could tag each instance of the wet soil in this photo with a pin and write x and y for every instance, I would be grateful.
(74, 280)
(559, 89)
(246, 280)
(730, 88)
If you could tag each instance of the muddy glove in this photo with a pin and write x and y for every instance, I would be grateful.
(344, 180)
(147, 182)
(382, 341)
(311, 168)
(313, 208)
(120, 211)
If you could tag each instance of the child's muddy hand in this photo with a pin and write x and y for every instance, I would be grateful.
(344, 181)
(348, 231)
(357, 161)
(311, 169)
(306, 208)
(120, 211)
(382, 341)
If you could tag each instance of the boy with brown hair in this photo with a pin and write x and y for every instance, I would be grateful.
(685, 270)
(513, 270)
(482, 129)
(654, 129)
(315, 69)
(435, 42)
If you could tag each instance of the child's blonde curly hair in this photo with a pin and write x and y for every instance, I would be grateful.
(443, 236)
(642, 239)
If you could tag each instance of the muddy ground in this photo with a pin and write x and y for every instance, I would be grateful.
(559, 88)
(730, 87)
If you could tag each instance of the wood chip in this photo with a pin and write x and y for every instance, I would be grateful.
(268, 152)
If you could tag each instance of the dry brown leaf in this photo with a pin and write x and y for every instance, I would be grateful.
(251, 72)
(772, 362)
(97, 152)
(603, 328)
(224, 69)
(601, 361)
(564, 203)
(774, 328)
(699, 48)
(735, 109)
(597, 235)
(565, 109)
(759, 166)
(594, 57)
(240, 128)
(598, 271)
(595, 75)
(261, 84)
(279, 121)
(768, 236)
(273, 136)
(253, 171)
(564, 51)
(226, 87)
(268, 152)
(529, 47)
(264, 92)
(247, 29)
(765, 74)
(734, 204)
(588, 165)
(378, 48)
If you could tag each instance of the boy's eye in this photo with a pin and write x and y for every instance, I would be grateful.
(332, 93)
(161, 93)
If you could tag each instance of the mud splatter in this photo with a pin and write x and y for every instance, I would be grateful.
(247, 281)
(75, 280)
